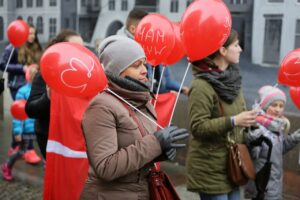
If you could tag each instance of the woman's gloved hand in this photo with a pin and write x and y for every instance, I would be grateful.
(168, 137)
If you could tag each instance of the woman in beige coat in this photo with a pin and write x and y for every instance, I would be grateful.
(122, 144)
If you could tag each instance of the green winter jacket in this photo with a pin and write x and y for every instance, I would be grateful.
(210, 124)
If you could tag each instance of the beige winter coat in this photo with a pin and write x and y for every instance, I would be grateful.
(119, 157)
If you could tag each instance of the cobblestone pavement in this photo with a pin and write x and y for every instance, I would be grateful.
(18, 190)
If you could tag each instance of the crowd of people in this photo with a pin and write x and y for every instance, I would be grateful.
(122, 144)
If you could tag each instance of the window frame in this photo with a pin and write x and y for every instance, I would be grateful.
(124, 5)
(297, 34)
(40, 25)
(111, 5)
(174, 6)
(52, 26)
(39, 3)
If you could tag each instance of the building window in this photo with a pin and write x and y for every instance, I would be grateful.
(188, 2)
(30, 20)
(83, 3)
(237, 2)
(111, 5)
(1, 28)
(39, 25)
(275, 1)
(297, 35)
(272, 38)
(67, 23)
(1, 3)
(29, 3)
(52, 2)
(39, 3)
(52, 27)
(96, 3)
(174, 6)
(19, 3)
(124, 5)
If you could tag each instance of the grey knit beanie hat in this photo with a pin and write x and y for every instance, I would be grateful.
(116, 53)
(268, 94)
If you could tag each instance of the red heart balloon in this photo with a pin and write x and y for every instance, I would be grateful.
(177, 52)
(72, 70)
(205, 27)
(17, 109)
(295, 95)
(155, 34)
(289, 70)
(17, 32)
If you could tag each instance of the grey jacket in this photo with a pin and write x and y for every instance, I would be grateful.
(281, 145)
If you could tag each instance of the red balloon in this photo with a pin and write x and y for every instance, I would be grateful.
(205, 27)
(72, 70)
(178, 51)
(295, 95)
(17, 109)
(155, 34)
(17, 32)
(289, 70)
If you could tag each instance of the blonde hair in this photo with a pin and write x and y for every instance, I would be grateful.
(30, 53)
(32, 72)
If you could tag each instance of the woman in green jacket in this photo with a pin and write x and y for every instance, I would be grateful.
(216, 110)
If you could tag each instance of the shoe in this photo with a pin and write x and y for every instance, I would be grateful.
(31, 157)
(6, 172)
(11, 150)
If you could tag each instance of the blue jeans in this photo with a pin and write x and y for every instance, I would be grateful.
(233, 195)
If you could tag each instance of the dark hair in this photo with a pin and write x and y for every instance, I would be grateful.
(30, 53)
(136, 14)
(62, 37)
(233, 36)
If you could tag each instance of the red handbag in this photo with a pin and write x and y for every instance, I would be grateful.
(161, 187)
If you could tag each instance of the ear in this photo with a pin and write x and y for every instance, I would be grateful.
(132, 29)
(223, 51)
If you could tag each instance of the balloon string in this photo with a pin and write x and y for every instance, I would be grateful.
(152, 82)
(129, 104)
(8, 61)
(158, 87)
(177, 97)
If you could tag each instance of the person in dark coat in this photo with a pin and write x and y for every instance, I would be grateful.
(38, 103)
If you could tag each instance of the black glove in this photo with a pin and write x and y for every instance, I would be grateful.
(171, 154)
(168, 137)
(1, 85)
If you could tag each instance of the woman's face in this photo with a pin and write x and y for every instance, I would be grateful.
(75, 39)
(137, 71)
(31, 36)
(276, 108)
(233, 52)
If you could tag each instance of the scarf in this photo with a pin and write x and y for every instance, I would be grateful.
(271, 123)
(227, 84)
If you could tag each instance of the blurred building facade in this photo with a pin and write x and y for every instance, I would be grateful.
(268, 29)
(51, 16)
(276, 30)
(114, 14)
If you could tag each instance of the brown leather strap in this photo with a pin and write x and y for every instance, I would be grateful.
(132, 114)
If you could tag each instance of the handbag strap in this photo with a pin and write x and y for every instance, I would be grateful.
(133, 115)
